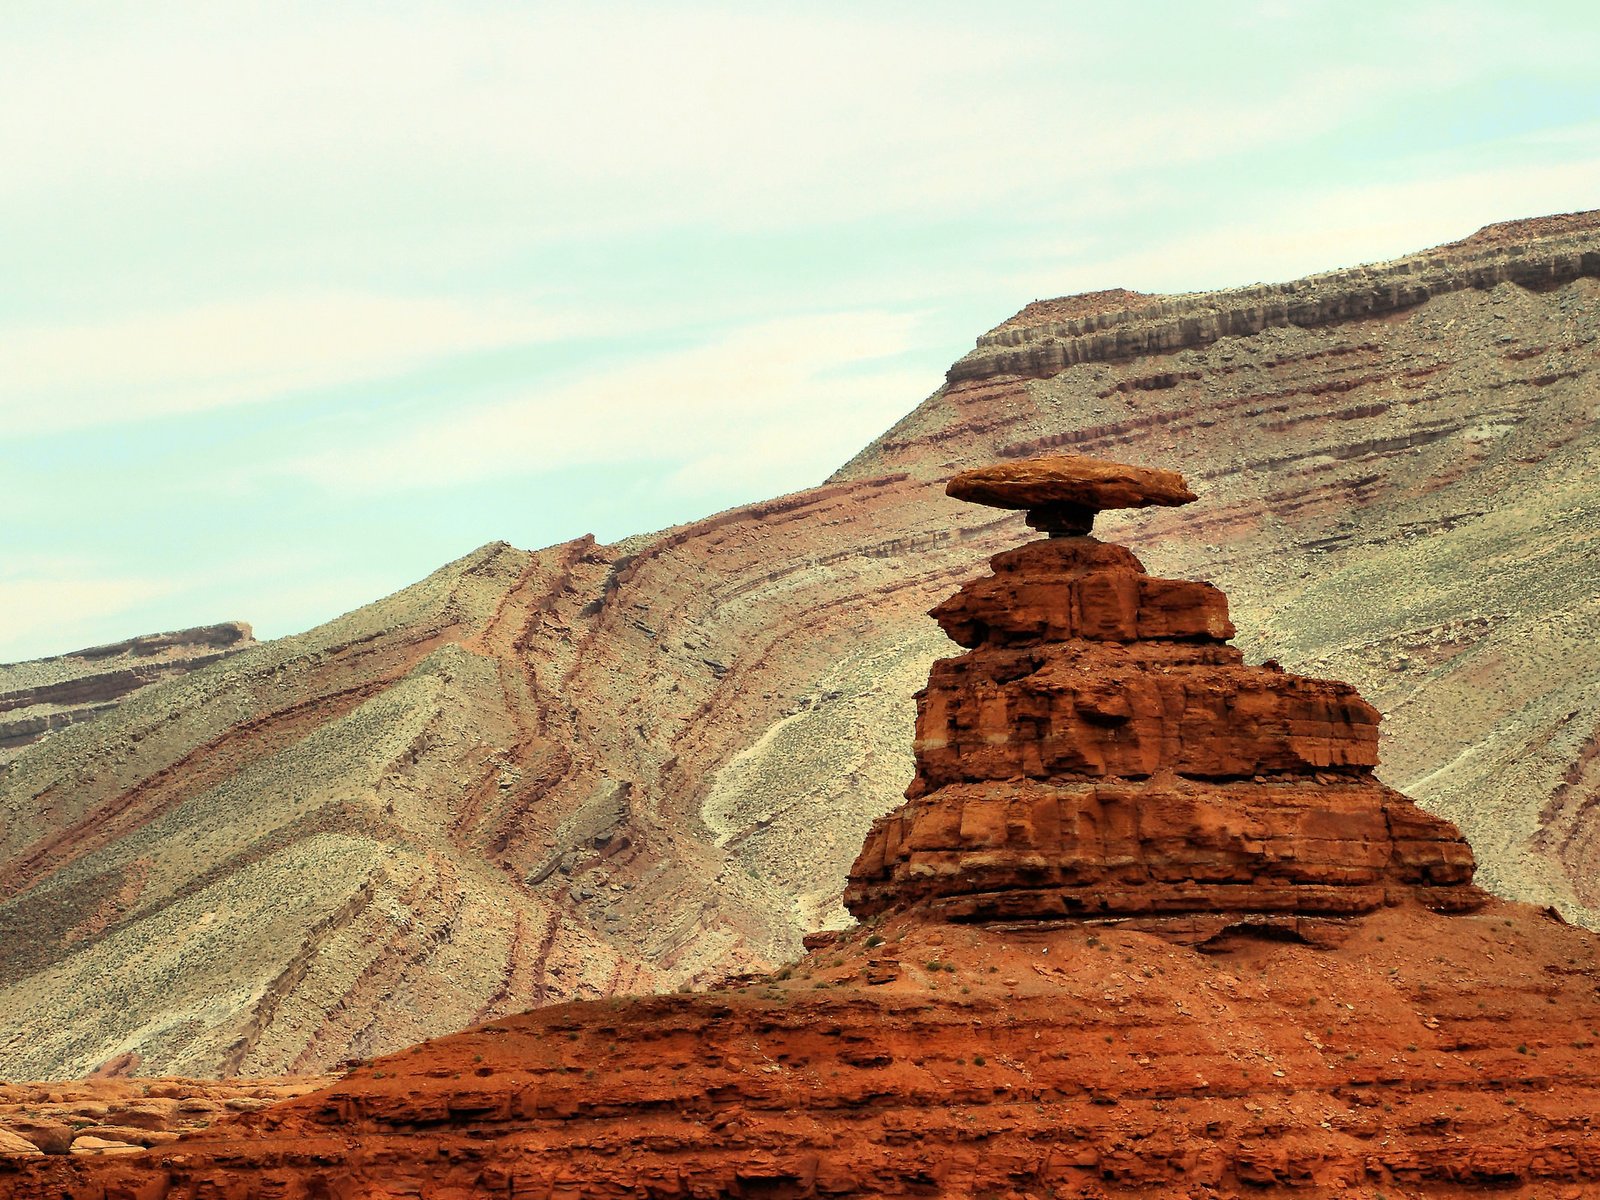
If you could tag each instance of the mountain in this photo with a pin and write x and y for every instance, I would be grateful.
(1147, 925)
(46, 694)
(595, 769)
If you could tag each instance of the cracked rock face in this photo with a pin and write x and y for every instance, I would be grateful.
(1101, 752)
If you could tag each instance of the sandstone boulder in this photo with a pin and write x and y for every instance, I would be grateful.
(14, 1144)
(89, 1144)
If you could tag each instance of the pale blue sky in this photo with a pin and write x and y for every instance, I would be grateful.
(304, 300)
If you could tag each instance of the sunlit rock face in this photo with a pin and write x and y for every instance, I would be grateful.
(593, 769)
(1101, 752)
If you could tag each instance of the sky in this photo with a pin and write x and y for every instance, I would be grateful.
(303, 301)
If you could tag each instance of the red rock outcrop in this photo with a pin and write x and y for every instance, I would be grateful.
(1428, 1057)
(120, 1114)
(1100, 751)
(1421, 1054)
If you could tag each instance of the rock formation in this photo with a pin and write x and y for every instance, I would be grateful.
(43, 695)
(1101, 751)
(119, 1115)
(1046, 338)
(602, 768)
(1005, 1023)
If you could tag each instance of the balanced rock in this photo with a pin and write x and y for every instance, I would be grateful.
(1063, 493)
(1101, 752)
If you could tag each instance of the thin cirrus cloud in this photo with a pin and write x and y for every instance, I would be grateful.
(1349, 225)
(801, 388)
(591, 98)
(66, 376)
(42, 610)
(586, 119)
(414, 264)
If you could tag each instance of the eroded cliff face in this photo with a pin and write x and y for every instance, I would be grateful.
(1046, 338)
(1429, 1056)
(1101, 752)
(593, 768)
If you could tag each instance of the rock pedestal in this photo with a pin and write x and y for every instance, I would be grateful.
(1100, 752)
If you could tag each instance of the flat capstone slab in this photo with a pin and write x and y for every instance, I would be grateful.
(1071, 482)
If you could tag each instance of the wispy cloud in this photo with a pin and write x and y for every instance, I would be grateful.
(62, 376)
(803, 391)
(566, 119)
(353, 207)
(50, 607)
(1348, 225)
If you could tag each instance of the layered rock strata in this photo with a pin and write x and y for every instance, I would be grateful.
(1430, 1057)
(1047, 338)
(536, 777)
(43, 695)
(118, 1114)
(1100, 751)
(1425, 1054)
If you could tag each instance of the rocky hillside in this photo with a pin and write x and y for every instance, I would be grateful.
(1148, 927)
(594, 769)
(47, 694)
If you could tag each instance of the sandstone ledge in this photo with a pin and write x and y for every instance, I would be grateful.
(1531, 255)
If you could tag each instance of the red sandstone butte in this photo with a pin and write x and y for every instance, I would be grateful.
(1101, 752)
(1145, 927)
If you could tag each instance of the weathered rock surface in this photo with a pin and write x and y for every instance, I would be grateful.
(13, 1145)
(43, 695)
(1099, 751)
(592, 769)
(1085, 482)
(1083, 589)
(1429, 1056)
(99, 1115)
(1043, 341)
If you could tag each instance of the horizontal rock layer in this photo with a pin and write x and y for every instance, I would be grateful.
(1099, 752)
(1431, 1057)
(121, 1114)
(1080, 588)
(44, 695)
(999, 851)
(1079, 709)
(1036, 345)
